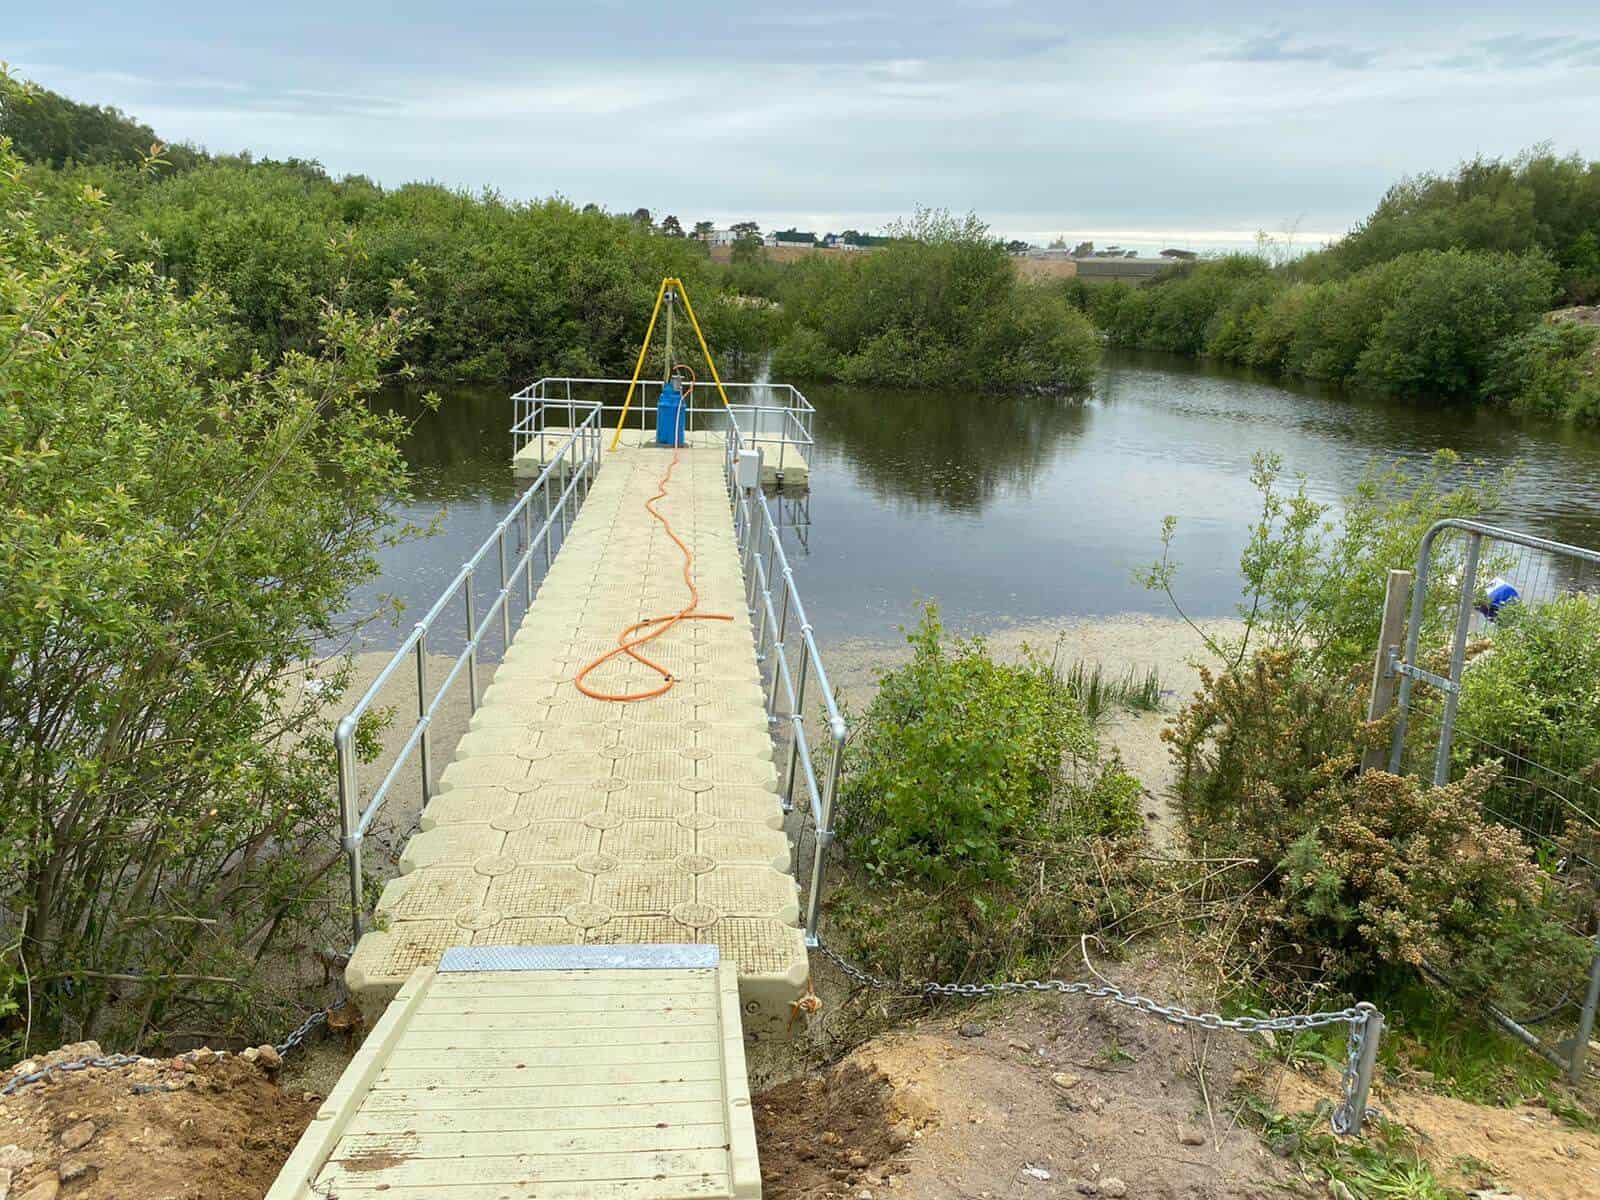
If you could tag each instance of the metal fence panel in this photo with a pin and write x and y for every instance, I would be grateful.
(1473, 582)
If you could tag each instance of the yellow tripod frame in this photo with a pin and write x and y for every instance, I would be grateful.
(638, 368)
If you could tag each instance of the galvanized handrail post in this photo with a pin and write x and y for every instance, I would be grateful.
(344, 739)
(425, 747)
(780, 643)
(527, 553)
(505, 592)
(796, 716)
(472, 646)
(824, 837)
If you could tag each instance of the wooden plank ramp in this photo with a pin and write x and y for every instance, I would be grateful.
(507, 1073)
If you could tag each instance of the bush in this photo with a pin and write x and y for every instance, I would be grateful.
(959, 760)
(1440, 332)
(938, 306)
(1356, 878)
(1254, 749)
(1398, 874)
(1552, 369)
(986, 829)
(178, 542)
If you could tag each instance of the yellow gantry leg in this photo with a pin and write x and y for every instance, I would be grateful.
(638, 367)
(644, 350)
(704, 349)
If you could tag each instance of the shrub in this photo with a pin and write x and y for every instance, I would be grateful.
(1440, 333)
(1552, 368)
(1355, 878)
(987, 830)
(1255, 747)
(178, 542)
(1395, 874)
(959, 759)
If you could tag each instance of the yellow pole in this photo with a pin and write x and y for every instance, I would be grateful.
(704, 349)
(645, 349)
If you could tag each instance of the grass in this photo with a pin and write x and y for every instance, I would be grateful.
(1097, 692)
(1382, 1164)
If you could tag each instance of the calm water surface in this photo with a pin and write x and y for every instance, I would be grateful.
(1018, 509)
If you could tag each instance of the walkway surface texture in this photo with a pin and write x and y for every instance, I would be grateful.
(564, 819)
(591, 828)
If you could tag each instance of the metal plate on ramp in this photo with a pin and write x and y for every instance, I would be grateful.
(665, 957)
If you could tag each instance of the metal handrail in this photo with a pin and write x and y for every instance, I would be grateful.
(575, 463)
(766, 564)
(791, 410)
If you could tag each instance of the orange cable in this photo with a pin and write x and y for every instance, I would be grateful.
(661, 624)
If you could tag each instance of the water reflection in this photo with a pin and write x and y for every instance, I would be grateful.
(1031, 508)
(933, 449)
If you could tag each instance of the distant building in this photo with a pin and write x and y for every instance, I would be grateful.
(791, 237)
(721, 237)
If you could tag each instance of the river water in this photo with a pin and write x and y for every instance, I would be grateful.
(1011, 510)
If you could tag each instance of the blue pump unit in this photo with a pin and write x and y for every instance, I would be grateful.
(671, 409)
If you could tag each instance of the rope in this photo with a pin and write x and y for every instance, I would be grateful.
(626, 642)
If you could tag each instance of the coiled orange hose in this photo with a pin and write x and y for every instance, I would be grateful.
(656, 625)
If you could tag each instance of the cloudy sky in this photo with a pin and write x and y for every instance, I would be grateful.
(1185, 123)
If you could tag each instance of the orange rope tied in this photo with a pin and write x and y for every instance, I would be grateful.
(626, 642)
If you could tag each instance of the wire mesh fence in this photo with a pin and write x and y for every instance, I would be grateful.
(1501, 664)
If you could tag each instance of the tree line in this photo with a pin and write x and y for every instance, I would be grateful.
(1461, 286)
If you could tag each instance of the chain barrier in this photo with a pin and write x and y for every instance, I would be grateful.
(1362, 1020)
(112, 1061)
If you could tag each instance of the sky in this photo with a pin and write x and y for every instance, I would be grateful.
(1181, 124)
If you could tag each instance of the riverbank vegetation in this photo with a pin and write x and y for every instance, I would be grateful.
(988, 837)
(1425, 899)
(940, 305)
(181, 534)
(1442, 292)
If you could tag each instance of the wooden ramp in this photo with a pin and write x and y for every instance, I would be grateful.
(509, 1073)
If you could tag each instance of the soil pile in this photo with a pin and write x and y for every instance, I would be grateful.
(203, 1126)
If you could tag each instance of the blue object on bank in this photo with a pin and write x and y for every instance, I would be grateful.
(1501, 593)
(670, 411)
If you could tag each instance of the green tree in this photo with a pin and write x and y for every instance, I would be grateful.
(48, 128)
(179, 539)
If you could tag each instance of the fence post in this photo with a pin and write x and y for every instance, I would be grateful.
(1366, 1063)
(1391, 636)
(1458, 657)
(1580, 1044)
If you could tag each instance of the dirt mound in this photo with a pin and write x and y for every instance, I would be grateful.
(205, 1126)
(830, 1134)
(1039, 1099)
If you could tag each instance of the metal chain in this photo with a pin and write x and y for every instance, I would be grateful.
(1355, 1017)
(320, 1017)
(112, 1061)
(79, 1064)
